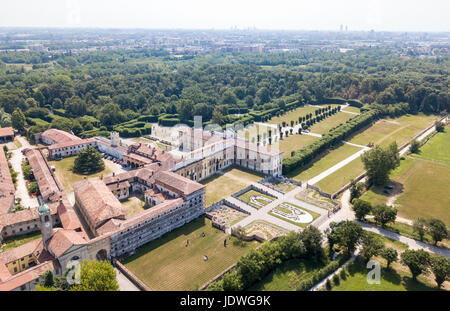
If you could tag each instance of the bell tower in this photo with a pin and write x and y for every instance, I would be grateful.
(46, 223)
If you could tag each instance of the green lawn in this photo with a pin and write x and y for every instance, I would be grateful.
(294, 142)
(287, 276)
(221, 186)
(167, 264)
(293, 115)
(325, 125)
(331, 158)
(133, 206)
(352, 109)
(247, 195)
(63, 171)
(396, 278)
(400, 129)
(16, 241)
(437, 148)
(391, 280)
(341, 177)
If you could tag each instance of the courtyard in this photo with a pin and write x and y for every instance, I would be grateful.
(168, 264)
(222, 185)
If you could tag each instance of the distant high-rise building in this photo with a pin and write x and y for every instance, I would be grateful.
(341, 28)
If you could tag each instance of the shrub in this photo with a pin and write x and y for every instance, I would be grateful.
(336, 280)
(328, 285)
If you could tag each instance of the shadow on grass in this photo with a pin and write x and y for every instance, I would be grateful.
(397, 188)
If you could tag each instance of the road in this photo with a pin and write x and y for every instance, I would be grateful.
(27, 201)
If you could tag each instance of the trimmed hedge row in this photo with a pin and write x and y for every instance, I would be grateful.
(342, 101)
(304, 156)
(319, 275)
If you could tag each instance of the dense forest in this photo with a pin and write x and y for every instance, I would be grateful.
(91, 93)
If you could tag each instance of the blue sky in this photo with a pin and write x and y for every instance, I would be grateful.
(395, 15)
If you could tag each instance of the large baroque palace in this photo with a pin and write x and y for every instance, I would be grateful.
(96, 226)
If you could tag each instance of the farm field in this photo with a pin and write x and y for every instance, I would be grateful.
(63, 171)
(220, 186)
(167, 264)
(332, 158)
(341, 177)
(294, 142)
(324, 126)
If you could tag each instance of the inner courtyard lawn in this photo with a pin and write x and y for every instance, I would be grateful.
(294, 142)
(133, 206)
(331, 158)
(63, 171)
(167, 264)
(324, 126)
(341, 177)
(19, 240)
(220, 186)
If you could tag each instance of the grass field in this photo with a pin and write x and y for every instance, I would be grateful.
(396, 278)
(293, 115)
(341, 177)
(16, 241)
(247, 195)
(425, 190)
(389, 130)
(437, 148)
(167, 264)
(287, 276)
(324, 126)
(352, 109)
(221, 186)
(332, 158)
(63, 171)
(391, 280)
(294, 142)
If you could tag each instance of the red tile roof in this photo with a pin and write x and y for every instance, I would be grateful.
(177, 183)
(6, 131)
(63, 240)
(7, 188)
(59, 136)
(98, 201)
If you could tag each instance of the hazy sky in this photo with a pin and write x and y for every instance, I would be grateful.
(396, 15)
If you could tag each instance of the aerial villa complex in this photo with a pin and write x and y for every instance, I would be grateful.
(96, 226)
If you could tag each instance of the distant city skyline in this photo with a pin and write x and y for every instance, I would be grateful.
(354, 15)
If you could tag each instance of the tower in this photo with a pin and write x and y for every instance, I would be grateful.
(46, 223)
(115, 139)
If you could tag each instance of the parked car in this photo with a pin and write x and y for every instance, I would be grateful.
(124, 165)
(386, 191)
(388, 187)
